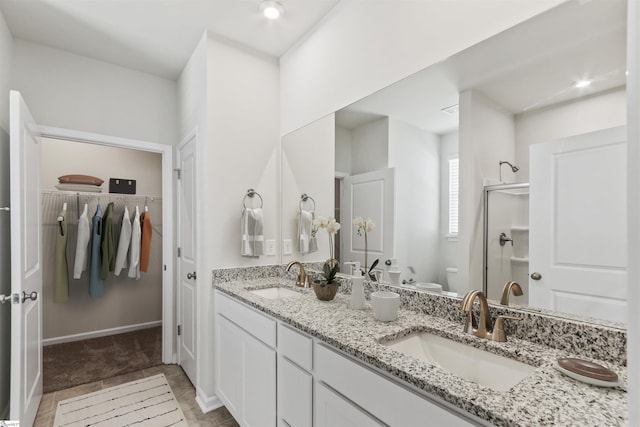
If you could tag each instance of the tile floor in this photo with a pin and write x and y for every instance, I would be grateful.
(180, 384)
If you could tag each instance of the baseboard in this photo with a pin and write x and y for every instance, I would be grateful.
(207, 403)
(101, 333)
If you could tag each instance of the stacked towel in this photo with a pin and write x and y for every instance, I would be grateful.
(306, 242)
(251, 231)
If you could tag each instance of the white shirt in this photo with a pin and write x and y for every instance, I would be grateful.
(82, 244)
(123, 244)
(134, 249)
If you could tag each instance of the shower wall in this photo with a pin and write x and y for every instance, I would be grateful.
(508, 213)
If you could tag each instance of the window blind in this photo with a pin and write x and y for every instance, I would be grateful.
(453, 196)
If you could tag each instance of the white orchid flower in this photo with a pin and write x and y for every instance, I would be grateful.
(333, 226)
(368, 225)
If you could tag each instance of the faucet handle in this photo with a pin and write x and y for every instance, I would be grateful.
(498, 333)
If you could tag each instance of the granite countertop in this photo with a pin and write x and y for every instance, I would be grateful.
(545, 397)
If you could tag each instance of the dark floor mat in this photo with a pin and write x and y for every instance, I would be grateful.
(71, 364)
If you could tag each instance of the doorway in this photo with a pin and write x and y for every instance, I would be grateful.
(164, 226)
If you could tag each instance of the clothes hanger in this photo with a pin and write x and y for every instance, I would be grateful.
(61, 218)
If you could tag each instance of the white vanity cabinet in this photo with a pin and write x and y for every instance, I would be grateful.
(295, 380)
(246, 366)
(316, 385)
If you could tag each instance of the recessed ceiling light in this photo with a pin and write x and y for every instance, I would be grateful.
(582, 83)
(271, 9)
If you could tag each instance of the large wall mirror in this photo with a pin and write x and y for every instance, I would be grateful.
(450, 164)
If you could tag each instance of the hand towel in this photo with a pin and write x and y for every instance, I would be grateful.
(123, 244)
(251, 230)
(82, 244)
(305, 224)
(145, 241)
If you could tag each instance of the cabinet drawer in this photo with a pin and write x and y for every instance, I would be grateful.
(295, 346)
(257, 324)
(294, 395)
(391, 403)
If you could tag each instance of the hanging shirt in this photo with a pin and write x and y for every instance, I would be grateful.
(82, 244)
(95, 270)
(61, 275)
(145, 244)
(134, 249)
(123, 244)
(108, 243)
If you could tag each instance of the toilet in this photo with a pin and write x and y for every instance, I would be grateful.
(452, 279)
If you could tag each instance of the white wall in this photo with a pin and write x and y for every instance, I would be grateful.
(343, 150)
(241, 151)
(580, 116)
(72, 91)
(308, 167)
(486, 136)
(6, 51)
(415, 155)
(370, 147)
(448, 244)
(361, 47)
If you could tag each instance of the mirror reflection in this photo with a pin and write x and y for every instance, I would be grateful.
(418, 157)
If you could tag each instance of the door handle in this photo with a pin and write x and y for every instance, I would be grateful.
(536, 276)
(191, 275)
(32, 296)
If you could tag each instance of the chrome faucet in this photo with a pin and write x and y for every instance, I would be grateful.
(485, 328)
(509, 287)
(301, 279)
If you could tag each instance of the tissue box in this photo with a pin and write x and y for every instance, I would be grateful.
(122, 186)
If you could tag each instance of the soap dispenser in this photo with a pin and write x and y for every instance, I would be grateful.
(357, 301)
(394, 272)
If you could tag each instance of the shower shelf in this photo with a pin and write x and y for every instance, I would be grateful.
(517, 260)
(519, 228)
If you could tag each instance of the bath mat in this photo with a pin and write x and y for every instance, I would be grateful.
(145, 402)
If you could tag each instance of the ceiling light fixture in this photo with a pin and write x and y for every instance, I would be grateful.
(582, 83)
(271, 9)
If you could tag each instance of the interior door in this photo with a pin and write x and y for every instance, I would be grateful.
(578, 231)
(26, 264)
(368, 195)
(187, 257)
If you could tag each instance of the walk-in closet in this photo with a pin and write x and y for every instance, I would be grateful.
(115, 328)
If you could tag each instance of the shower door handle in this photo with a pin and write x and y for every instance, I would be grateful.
(536, 276)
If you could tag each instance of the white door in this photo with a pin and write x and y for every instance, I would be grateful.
(368, 195)
(187, 256)
(578, 232)
(26, 265)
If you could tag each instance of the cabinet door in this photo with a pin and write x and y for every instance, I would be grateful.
(258, 383)
(230, 365)
(294, 394)
(332, 410)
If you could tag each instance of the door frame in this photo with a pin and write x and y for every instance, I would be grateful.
(168, 256)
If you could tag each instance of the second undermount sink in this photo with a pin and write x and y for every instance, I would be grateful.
(486, 369)
(275, 293)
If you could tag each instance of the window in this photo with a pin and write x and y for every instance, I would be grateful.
(453, 196)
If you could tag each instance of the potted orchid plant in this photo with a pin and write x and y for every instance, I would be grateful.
(326, 287)
(364, 226)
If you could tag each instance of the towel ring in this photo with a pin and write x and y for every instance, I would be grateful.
(305, 198)
(250, 193)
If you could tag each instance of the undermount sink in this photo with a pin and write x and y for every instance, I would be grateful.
(486, 369)
(275, 293)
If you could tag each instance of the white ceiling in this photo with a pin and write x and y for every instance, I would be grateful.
(530, 66)
(157, 36)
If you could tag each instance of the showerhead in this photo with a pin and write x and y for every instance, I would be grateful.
(514, 168)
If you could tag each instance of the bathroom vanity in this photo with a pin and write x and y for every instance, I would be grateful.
(285, 358)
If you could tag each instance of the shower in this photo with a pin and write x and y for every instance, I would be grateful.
(514, 168)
